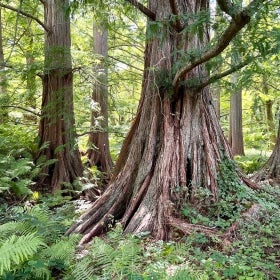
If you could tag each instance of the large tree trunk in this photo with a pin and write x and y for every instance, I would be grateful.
(99, 153)
(57, 130)
(173, 149)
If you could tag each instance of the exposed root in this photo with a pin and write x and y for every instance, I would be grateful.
(188, 228)
(251, 213)
(226, 237)
(249, 183)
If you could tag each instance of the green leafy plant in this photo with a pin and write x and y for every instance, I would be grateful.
(16, 164)
(16, 249)
(32, 245)
(250, 163)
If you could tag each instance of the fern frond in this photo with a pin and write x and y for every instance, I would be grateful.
(63, 249)
(42, 273)
(102, 254)
(83, 271)
(22, 227)
(40, 213)
(128, 257)
(186, 273)
(17, 249)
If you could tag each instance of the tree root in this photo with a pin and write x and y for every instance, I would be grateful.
(251, 213)
(188, 228)
(226, 237)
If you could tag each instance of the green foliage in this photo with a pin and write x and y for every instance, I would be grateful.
(32, 244)
(130, 257)
(250, 163)
(48, 254)
(234, 196)
(16, 165)
(163, 81)
(17, 249)
(255, 252)
(115, 258)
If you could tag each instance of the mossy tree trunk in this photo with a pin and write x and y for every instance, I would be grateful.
(57, 127)
(173, 150)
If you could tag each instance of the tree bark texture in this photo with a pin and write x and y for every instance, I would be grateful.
(57, 128)
(269, 114)
(99, 153)
(174, 147)
(3, 78)
(235, 128)
(216, 95)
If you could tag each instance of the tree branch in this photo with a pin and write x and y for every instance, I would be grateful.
(128, 64)
(238, 21)
(151, 15)
(21, 108)
(227, 7)
(217, 77)
(25, 14)
(175, 11)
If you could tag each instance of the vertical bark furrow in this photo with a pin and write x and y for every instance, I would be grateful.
(172, 152)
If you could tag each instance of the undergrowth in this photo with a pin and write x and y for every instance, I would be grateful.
(253, 254)
(33, 247)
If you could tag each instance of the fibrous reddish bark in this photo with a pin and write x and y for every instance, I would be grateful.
(57, 129)
(173, 149)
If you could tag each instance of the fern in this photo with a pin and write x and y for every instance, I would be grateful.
(82, 270)
(63, 249)
(21, 227)
(17, 249)
(118, 257)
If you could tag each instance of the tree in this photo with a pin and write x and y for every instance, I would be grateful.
(271, 169)
(58, 151)
(268, 110)
(99, 153)
(3, 78)
(235, 130)
(57, 127)
(174, 148)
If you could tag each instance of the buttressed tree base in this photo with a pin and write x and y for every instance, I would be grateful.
(173, 154)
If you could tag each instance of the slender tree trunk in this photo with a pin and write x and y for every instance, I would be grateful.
(236, 132)
(235, 127)
(173, 149)
(3, 78)
(269, 114)
(216, 99)
(57, 129)
(99, 153)
(31, 77)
